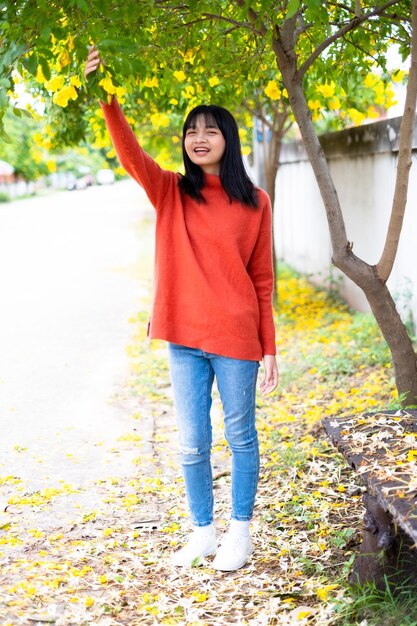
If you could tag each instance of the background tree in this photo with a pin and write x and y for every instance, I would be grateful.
(313, 44)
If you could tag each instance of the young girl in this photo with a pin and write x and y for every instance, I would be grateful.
(213, 284)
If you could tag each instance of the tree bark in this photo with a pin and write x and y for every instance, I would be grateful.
(360, 272)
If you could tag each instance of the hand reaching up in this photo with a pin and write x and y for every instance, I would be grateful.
(93, 61)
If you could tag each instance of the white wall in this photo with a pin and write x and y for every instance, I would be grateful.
(363, 166)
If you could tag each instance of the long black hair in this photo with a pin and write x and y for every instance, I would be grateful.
(233, 176)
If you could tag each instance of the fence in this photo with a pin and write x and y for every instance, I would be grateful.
(363, 163)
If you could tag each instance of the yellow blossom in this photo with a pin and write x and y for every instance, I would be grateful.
(398, 76)
(371, 80)
(326, 90)
(55, 84)
(213, 81)
(372, 113)
(356, 116)
(315, 105)
(39, 75)
(74, 80)
(188, 56)
(107, 85)
(272, 90)
(180, 76)
(199, 597)
(188, 92)
(151, 82)
(64, 59)
(334, 104)
(120, 92)
(173, 101)
(159, 120)
(62, 97)
(89, 602)
(323, 592)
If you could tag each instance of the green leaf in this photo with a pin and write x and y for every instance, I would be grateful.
(31, 64)
(119, 44)
(82, 4)
(46, 70)
(292, 8)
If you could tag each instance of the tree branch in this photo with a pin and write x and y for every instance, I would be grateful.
(351, 25)
(385, 265)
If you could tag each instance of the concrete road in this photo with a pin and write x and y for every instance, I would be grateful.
(74, 266)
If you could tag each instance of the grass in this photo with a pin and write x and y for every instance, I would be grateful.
(370, 606)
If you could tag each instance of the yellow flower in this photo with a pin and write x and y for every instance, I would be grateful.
(398, 76)
(326, 90)
(180, 76)
(89, 602)
(120, 92)
(39, 75)
(372, 113)
(55, 84)
(371, 80)
(64, 59)
(102, 579)
(334, 104)
(272, 90)
(213, 81)
(188, 56)
(323, 592)
(65, 94)
(189, 92)
(199, 597)
(356, 116)
(315, 105)
(151, 82)
(173, 101)
(74, 80)
(159, 120)
(107, 85)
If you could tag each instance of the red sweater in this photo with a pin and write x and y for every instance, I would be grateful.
(213, 277)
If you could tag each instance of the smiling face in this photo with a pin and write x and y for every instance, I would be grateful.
(204, 144)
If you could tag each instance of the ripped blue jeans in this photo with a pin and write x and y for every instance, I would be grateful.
(192, 374)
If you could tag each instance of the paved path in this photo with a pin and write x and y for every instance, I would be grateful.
(74, 266)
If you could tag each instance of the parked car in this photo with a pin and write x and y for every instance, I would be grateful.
(81, 182)
(105, 177)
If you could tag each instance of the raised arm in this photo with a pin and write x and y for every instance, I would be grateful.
(137, 163)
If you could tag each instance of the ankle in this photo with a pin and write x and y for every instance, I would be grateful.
(209, 529)
(239, 527)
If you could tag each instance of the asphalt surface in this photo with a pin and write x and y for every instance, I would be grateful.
(74, 267)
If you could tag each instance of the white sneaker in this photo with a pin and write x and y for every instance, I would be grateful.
(233, 553)
(199, 544)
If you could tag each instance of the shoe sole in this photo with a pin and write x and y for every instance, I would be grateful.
(232, 569)
(189, 564)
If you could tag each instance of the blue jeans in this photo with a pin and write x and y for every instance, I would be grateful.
(192, 374)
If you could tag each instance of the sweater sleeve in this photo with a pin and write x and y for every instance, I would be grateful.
(260, 269)
(137, 163)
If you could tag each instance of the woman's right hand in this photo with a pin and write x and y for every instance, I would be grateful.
(93, 61)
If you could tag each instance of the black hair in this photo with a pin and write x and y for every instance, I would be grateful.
(233, 176)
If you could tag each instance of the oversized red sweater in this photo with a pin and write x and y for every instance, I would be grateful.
(213, 277)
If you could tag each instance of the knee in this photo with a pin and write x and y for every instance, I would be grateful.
(241, 443)
(191, 456)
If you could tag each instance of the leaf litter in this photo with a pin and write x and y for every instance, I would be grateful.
(105, 559)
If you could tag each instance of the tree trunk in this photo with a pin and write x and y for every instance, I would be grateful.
(361, 273)
(271, 164)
